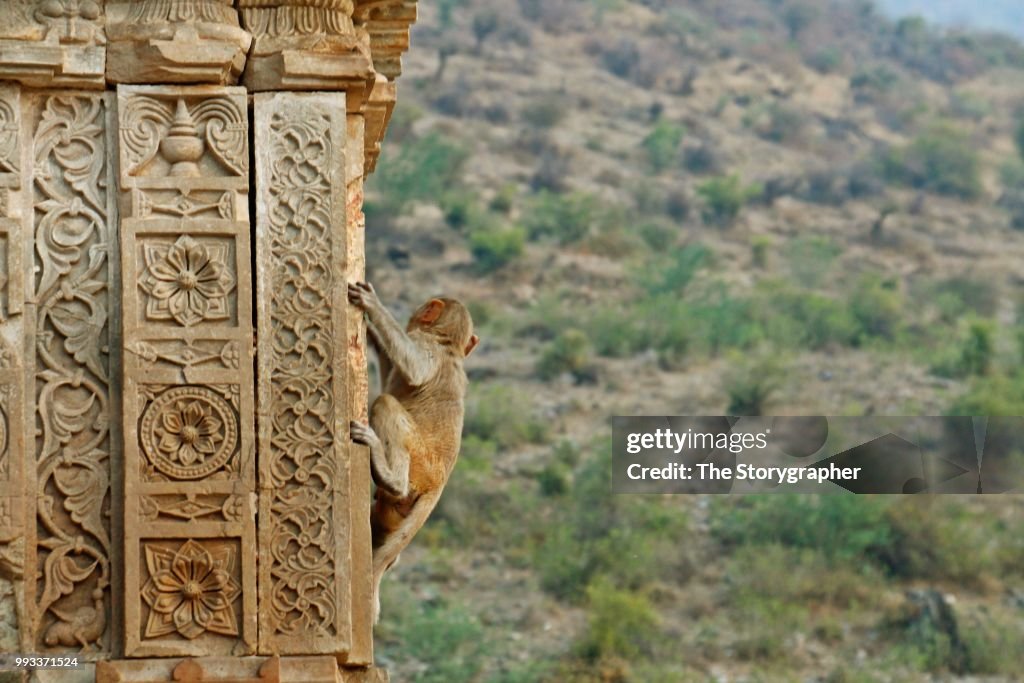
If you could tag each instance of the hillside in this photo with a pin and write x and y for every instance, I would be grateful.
(658, 207)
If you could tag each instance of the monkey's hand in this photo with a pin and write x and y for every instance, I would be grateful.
(364, 434)
(363, 296)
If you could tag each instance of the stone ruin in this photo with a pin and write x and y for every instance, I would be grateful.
(181, 188)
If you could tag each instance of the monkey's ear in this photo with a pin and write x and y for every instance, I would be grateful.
(431, 311)
(473, 341)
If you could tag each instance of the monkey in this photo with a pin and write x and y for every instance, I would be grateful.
(415, 427)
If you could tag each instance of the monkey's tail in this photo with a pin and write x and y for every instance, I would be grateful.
(386, 554)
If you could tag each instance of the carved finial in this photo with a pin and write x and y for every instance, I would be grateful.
(183, 147)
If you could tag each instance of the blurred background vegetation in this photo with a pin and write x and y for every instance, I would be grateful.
(694, 207)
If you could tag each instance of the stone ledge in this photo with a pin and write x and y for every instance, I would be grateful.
(323, 669)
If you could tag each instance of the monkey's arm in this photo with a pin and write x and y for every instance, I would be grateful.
(413, 362)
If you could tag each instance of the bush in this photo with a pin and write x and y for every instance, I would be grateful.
(420, 170)
(877, 306)
(504, 416)
(845, 529)
(751, 382)
(979, 348)
(569, 353)
(619, 623)
(826, 60)
(493, 248)
(701, 158)
(546, 111)
(804, 320)
(673, 272)
(724, 197)
(567, 218)
(596, 534)
(662, 144)
(941, 160)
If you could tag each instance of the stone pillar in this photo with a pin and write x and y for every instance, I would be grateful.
(70, 320)
(145, 331)
(190, 470)
(306, 557)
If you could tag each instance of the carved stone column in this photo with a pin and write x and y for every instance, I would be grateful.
(131, 472)
(71, 318)
(306, 560)
(190, 470)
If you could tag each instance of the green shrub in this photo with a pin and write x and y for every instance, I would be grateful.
(619, 623)
(846, 529)
(632, 542)
(759, 248)
(447, 639)
(939, 540)
(493, 248)
(662, 144)
(724, 197)
(546, 111)
(567, 218)
(658, 235)
(826, 60)
(553, 479)
(503, 415)
(1000, 395)
(569, 353)
(672, 273)
(877, 306)
(460, 208)
(782, 124)
(420, 170)
(943, 160)
(798, 16)
(750, 382)
(504, 200)
(798, 319)
(979, 348)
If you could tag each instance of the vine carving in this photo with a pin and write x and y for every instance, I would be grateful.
(73, 245)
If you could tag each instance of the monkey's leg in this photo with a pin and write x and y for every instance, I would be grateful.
(391, 433)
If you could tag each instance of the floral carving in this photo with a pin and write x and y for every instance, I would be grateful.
(73, 446)
(190, 591)
(188, 281)
(189, 432)
(300, 596)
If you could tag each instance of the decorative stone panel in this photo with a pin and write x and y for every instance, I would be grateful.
(71, 317)
(304, 471)
(190, 477)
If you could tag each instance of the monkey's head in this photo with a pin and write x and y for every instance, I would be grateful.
(448, 321)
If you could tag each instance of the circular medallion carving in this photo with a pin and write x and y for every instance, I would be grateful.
(188, 432)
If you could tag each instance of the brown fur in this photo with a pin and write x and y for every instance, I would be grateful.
(416, 424)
